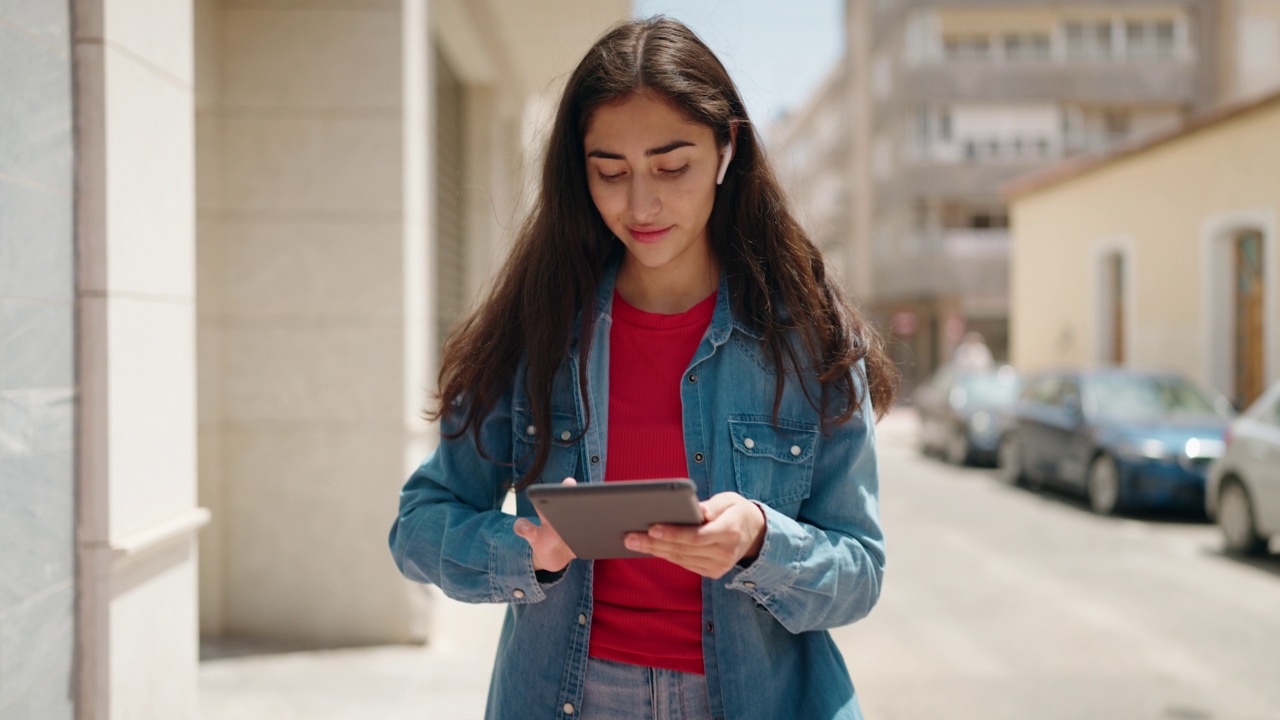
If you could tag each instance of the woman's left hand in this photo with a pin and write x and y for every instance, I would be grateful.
(733, 529)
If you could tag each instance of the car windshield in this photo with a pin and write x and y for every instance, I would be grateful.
(1135, 397)
(995, 389)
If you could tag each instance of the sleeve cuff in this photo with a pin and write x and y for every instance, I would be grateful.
(511, 575)
(774, 568)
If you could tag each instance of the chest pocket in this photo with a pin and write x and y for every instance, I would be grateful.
(562, 461)
(772, 465)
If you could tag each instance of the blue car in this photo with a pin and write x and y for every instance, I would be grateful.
(1124, 439)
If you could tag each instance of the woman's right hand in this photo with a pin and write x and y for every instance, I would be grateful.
(550, 553)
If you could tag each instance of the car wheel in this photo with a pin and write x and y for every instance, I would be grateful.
(1235, 517)
(957, 448)
(1104, 485)
(1009, 461)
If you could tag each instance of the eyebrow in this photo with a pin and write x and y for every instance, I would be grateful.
(647, 153)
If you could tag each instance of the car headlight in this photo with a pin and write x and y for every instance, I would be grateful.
(1143, 449)
(1198, 449)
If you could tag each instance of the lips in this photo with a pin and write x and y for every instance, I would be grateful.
(649, 235)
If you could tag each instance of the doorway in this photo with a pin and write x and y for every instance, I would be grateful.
(1247, 318)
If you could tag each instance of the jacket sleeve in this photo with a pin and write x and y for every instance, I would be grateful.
(451, 531)
(824, 568)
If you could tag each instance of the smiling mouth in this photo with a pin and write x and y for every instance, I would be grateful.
(649, 236)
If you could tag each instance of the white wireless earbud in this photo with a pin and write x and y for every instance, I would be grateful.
(725, 156)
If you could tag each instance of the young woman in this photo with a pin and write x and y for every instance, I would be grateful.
(661, 315)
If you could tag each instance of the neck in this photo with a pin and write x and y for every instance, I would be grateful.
(667, 290)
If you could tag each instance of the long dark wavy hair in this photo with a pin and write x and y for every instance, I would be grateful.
(544, 297)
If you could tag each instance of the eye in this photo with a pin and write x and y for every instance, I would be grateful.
(675, 172)
(611, 178)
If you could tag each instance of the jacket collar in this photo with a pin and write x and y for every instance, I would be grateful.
(723, 321)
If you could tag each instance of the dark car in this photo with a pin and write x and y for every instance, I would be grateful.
(962, 411)
(1122, 438)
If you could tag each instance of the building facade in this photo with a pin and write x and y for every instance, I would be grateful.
(948, 100)
(1165, 256)
(233, 236)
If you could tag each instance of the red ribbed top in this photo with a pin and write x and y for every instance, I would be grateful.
(648, 611)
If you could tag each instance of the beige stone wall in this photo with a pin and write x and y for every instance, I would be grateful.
(316, 271)
(1170, 211)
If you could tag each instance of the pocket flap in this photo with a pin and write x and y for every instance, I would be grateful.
(787, 442)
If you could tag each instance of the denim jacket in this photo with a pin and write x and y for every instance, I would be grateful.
(766, 649)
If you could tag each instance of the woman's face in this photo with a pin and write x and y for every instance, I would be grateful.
(652, 175)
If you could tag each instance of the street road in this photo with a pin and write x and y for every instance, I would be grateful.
(999, 604)
(1002, 603)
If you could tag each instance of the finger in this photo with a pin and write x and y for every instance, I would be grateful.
(678, 533)
(568, 481)
(716, 505)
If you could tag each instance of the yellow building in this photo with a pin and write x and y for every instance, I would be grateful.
(1163, 255)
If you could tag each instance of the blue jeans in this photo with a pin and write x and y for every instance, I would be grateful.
(617, 691)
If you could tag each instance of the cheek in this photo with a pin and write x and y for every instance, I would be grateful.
(609, 201)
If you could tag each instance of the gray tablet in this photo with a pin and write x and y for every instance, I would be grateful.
(593, 518)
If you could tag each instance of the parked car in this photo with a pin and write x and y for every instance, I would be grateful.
(1244, 484)
(962, 411)
(1122, 438)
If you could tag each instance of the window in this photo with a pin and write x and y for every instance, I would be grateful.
(922, 128)
(1150, 39)
(944, 125)
(1116, 125)
(1026, 47)
(992, 220)
(1089, 40)
(967, 47)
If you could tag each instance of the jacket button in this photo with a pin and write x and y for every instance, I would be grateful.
(531, 430)
(795, 450)
(698, 457)
(693, 377)
(711, 627)
(566, 435)
(518, 593)
(749, 443)
(595, 459)
(582, 618)
(568, 708)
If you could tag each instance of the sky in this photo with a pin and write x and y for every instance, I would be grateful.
(776, 52)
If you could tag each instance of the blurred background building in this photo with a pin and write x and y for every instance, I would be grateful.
(232, 238)
(940, 103)
(1168, 252)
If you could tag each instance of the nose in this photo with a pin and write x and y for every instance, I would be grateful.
(643, 198)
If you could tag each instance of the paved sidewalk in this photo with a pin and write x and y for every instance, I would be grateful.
(447, 679)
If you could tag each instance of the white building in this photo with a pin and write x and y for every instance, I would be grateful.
(944, 101)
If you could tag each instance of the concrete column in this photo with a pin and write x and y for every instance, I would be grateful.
(137, 513)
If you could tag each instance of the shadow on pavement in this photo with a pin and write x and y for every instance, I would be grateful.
(1163, 516)
(1269, 563)
(228, 648)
